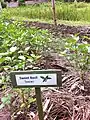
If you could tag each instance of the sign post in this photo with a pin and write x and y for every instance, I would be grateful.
(39, 103)
(37, 79)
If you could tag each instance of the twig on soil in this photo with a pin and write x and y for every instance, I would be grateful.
(53, 89)
(48, 112)
(46, 105)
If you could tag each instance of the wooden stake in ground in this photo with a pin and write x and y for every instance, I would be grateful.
(54, 12)
(39, 103)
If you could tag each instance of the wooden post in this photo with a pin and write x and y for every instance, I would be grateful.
(54, 12)
(39, 103)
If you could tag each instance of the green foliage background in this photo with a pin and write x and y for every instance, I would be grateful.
(19, 44)
(76, 11)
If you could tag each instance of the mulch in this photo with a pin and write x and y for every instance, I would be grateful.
(5, 114)
(72, 100)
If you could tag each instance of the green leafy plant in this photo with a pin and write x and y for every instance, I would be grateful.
(5, 100)
(78, 53)
(20, 47)
(25, 100)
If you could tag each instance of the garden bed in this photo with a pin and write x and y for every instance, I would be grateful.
(72, 100)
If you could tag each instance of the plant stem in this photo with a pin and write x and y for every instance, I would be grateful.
(23, 96)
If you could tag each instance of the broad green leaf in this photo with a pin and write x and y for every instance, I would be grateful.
(13, 49)
(2, 60)
(4, 54)
(27, 48)
(22, 57)
(8, 59)
(88, 49)
(71, 40)
(6, 99)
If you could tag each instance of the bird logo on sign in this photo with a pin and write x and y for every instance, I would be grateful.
(45, 78)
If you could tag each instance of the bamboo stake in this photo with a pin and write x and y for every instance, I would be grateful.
(54, 12)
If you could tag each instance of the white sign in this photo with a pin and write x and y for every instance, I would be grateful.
(36, 79)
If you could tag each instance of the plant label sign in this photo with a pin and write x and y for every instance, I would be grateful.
(36, 78)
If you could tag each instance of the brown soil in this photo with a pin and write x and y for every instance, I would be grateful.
(62, 30)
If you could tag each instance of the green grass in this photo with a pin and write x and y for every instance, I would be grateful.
(43, 12)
